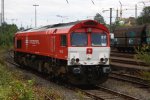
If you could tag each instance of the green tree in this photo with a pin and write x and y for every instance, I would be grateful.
(143, 54)
(115, 25)
(6, 34)
(99, 18)
(144, 17)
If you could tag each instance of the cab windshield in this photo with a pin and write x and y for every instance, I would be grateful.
(79, 39)
(98, 39)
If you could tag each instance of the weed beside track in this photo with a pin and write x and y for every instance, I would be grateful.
(15, 86)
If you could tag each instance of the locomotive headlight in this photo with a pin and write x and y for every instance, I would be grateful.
(103, 60)
(106, 59)
(74, 58)
(77, 60)
(73, 61)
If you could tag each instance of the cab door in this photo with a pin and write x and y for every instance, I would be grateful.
(52, 45)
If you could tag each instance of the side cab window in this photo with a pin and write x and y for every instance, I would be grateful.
(63, 40)
(19, 44)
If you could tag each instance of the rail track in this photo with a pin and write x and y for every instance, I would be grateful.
(97, 92)
(102, 93)
(130, 78)
(127, 62)
(125, 55)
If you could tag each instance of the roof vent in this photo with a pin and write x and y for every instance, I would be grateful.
(89, 23)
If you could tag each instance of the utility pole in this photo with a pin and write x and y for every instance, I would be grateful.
(2, 12)
(67, 1)
(35, 14)
(110, 18)
(117, 17)
(136, 11)
(120, 10)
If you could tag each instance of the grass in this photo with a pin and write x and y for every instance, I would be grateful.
(13, 85)
(144, 55)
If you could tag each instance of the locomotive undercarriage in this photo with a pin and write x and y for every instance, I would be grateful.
(89, 74)
(58, 69)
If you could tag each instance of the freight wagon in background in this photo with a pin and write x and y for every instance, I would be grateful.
(127, 39)
(77, 52)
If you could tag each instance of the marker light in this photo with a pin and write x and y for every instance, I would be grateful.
(77, 60)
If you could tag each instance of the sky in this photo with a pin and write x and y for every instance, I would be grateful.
(22, 12)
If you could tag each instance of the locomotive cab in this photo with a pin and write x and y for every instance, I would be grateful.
(88, 54)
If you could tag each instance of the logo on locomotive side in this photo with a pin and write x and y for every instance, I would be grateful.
(34, 42)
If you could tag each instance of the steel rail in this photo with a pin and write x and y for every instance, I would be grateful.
(102, 93)
(130, 79)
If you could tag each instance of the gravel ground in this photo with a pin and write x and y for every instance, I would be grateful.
(127, 88)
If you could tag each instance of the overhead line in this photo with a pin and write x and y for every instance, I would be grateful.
(93, 2)
(67, 1)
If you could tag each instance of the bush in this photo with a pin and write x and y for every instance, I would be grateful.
(143, 54)
(21, 91)
(5, 79)
(14, 87)
(7, 32)
(11, 89)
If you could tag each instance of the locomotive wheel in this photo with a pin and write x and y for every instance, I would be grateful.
(46, 67)
(128, 50)
(123, 50)
(51, 76)
(21, 62)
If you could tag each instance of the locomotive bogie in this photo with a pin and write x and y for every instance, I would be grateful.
(89, 74)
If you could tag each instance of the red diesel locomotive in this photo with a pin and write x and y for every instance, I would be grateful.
(77, 52)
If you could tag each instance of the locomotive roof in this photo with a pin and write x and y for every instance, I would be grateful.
(70, 25)
(59, 25)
